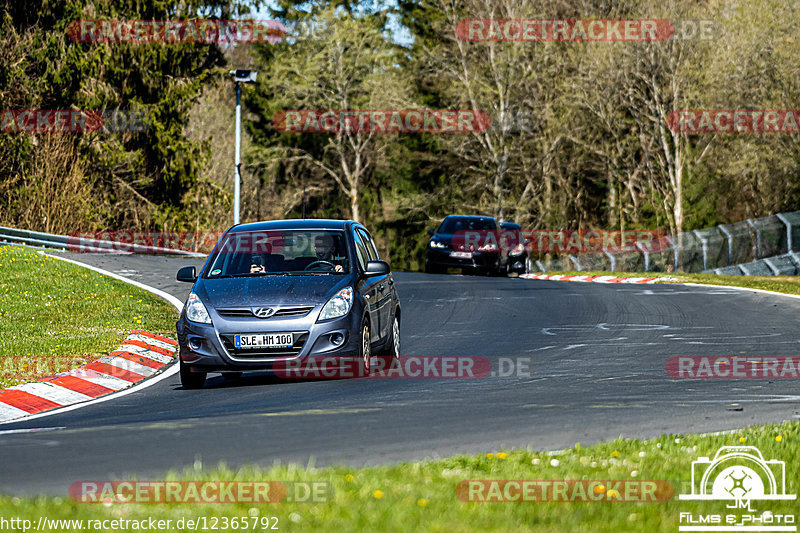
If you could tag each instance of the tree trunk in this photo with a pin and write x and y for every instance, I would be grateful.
(678, 207)
(354, 203)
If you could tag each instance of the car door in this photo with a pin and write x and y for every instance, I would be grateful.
(385, 288)
(368, 286)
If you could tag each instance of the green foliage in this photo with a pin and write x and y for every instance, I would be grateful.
(153, 169)
(578, 137)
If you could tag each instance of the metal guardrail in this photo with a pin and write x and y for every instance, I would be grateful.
(761, 246)
(779, 265)
(82, 244)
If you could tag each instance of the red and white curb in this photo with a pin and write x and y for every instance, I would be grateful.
(595, 279)
(142, 355)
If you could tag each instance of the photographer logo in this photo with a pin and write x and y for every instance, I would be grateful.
(741, 477)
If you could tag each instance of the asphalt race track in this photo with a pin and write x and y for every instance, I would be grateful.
(597, 371)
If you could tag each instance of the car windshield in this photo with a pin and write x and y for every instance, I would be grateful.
(511, 236)
(281, 252)
(457, 224)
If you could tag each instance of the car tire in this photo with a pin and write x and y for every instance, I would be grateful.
(364, 350)
(433, 269)
(231, 376)
(392, 349)
(189, 379)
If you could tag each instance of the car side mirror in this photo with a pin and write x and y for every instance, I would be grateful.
(376, 268)
(187, 274)
(431, 232)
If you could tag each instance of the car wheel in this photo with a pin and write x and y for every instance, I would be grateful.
(189, 379)
(365, 351)
(231, 376)
(433, 269)
(392, 348)
(510, 270)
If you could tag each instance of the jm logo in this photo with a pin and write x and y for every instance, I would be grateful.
(738, 473)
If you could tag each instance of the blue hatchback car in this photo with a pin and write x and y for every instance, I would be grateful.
(283, 291)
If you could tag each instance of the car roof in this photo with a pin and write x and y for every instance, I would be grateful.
(510, 225)
(298, 223)
(469, 216)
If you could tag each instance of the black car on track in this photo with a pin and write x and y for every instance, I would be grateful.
(284, 291)
(513, 239)
(466, 242)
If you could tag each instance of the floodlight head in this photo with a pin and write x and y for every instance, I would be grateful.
(243, 76)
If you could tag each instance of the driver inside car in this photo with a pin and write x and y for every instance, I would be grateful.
(325, 250)
(258, 264)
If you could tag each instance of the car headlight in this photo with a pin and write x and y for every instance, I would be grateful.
(518, 249)
(339, 304)
(437, 244)
(491, 247)
(196, 311)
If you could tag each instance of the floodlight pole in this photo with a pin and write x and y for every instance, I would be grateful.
(236, 156)
(239, 76)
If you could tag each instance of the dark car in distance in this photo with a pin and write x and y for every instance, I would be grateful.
(513, 239)
(284, 291)
(466, 242)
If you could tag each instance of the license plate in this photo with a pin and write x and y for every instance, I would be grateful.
(263, 340)
(461, 255)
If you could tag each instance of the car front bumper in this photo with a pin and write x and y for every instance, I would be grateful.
(517, 263)
(486, 261)
(203, 346)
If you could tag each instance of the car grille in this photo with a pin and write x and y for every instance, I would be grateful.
(265, 353)
(295, 312)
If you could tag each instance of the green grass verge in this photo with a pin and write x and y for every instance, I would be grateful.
(401, 497)
(421, 496)
(55, 316)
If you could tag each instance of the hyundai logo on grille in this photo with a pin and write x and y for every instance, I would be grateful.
(263, 312)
